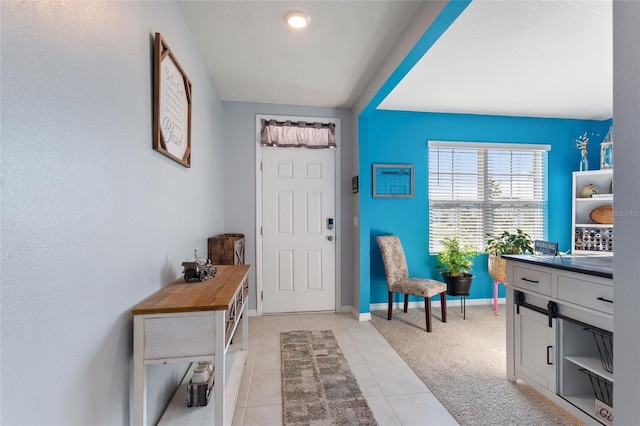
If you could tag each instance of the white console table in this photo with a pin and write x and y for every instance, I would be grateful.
(190, 322)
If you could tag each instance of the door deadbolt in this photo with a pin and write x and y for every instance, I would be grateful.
(330, 238)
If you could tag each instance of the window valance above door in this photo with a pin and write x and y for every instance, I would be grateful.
(297, 134)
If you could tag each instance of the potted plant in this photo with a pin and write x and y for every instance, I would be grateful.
(505, 243)
(454, 263)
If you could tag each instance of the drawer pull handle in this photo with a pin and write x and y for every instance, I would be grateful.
(548, 357)
(605, 300)
(530, 281)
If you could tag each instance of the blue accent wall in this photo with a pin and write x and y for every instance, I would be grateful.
(401, 137)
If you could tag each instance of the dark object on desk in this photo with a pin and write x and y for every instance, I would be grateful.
(201, 272)
(545, 247)
(198, 268)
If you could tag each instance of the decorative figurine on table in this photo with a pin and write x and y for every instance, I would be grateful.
(198, 268)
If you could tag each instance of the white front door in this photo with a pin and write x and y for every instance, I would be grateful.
(298, 246)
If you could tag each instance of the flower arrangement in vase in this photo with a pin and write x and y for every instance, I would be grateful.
(582, 143)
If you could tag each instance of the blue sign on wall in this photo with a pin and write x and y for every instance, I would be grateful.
(393, 180)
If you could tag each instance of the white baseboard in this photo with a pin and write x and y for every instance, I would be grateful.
(360, 317)
(341, 310)
(399, 305)
(435, 303)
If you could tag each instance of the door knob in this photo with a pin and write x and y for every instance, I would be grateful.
(330, 238)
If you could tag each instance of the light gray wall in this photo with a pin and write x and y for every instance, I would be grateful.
(626, 175)
(93, 220)
(240, 180)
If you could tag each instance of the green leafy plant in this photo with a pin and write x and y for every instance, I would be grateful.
(456, 259)
(509, 243)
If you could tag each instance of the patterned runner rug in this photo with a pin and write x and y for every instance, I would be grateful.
(318, 387)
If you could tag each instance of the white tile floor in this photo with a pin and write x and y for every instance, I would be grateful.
(394, 393)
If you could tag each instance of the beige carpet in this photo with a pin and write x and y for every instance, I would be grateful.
(463, 363)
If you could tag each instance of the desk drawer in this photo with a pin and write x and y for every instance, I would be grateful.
(533, 280)
(179, 336)
(586, 293)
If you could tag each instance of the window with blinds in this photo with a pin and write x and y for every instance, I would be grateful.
(478, 188)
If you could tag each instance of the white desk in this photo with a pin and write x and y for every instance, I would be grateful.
(560, 330)
(189, 322)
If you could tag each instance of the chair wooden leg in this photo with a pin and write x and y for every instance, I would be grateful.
(427, 311)
(406, 302)
(443, 306)
(390, 309)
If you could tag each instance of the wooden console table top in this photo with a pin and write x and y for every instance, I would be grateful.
(214, 294)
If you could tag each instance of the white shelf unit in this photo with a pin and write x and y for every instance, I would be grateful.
(583, 376)
(589, 237)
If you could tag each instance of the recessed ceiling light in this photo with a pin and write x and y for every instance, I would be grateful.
(297, 19)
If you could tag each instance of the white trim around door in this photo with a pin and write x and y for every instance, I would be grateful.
(259, 204)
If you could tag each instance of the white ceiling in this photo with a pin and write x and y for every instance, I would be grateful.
(254, 57)
(523, 58)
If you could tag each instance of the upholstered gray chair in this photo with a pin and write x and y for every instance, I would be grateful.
(398, 281)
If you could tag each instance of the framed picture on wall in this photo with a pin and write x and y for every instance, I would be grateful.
(171, 105)
(393, 180)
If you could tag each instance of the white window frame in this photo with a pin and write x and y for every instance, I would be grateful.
(482, 201)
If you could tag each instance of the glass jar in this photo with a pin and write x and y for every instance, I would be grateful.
(584, 162)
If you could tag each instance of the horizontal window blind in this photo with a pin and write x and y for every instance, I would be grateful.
(485, 188)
